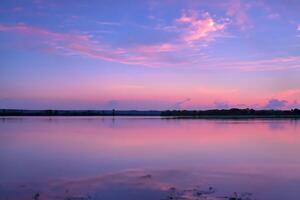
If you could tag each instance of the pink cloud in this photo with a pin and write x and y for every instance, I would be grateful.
(82, 44)
(277, 63)
(175, 53)
(164, 47)
(272, 64)
(30, 30)
(108, 23)
(198, 28)
(191, 28)
(161, 54)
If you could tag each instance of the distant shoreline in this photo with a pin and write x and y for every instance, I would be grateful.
(235, 117)
(177, 114)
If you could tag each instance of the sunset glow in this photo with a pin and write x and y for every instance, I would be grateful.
(150, 54)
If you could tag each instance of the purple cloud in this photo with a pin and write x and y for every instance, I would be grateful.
(276, 104)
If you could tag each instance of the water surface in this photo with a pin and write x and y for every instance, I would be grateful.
(142, 158)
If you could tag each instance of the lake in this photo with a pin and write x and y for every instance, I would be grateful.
(148, 158)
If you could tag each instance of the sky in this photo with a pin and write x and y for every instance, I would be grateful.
(149, 54)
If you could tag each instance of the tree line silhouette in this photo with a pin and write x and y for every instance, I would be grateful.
(231, 112)
(234, 112)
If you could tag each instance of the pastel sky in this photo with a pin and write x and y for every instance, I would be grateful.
(149, 54)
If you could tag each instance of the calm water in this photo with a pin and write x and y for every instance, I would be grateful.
(111, 157)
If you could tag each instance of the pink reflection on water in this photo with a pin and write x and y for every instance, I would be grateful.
(227, 153)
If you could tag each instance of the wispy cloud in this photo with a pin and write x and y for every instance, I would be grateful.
(108, 23)
(273, 16)
(271, 64)
(85, 45)
(238, 10)
(175, 53)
